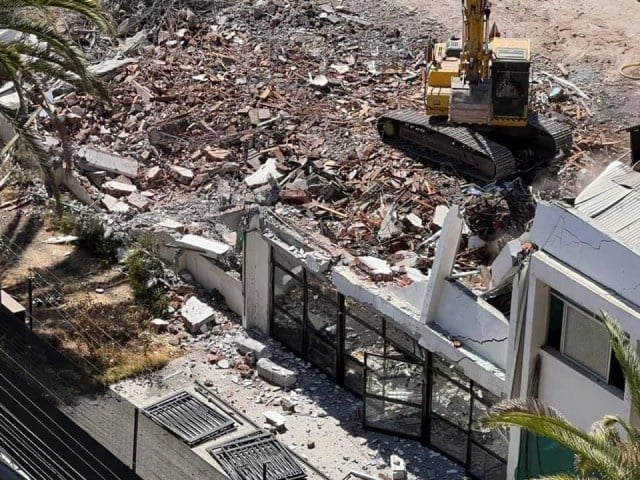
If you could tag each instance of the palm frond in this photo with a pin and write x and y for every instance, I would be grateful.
(536, 417)
(628, 358)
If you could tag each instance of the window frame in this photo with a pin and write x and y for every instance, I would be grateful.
(567, 303)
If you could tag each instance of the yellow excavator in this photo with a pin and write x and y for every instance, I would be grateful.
(478, 118)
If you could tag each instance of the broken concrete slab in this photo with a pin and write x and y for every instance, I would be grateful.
(276, 374)
(138, 201)
(118, 189)
(506, 264)
(108, 66)
(113, 205)
(153, 173)
(61, 240)
(246, 344)
(91, 159)
(261, 176)
(204, 245)
(196, 314)
(128, 45)
(376, 266)
(182, 174)
(171, 225)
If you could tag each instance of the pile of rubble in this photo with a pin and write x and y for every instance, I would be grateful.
(274, 103)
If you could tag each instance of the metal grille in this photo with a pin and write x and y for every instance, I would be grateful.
(244, 459)
(189, 418)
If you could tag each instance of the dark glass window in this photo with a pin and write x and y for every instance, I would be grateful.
(556, 319)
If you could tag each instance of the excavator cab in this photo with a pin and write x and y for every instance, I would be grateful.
(510, 70)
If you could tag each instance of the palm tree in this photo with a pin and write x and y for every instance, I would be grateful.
(602, 453)
(52, 56)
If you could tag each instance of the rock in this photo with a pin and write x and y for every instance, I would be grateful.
(208, 382)
(196, 314)
(398, 468)
(91, 159)
(414, 220)
(99, 290)
(311, 444)
(377, 266)
(249, 345)
(174, 341)
(61, 240)
(183, 175)
(217, 154)
(159, 325)
(108, 66)
(275, 419)
(319, 81)
(557, 94)
(259, 115)
(276, 374)
(223, 364)
(261, 176)
(118, 189)
(317, 262)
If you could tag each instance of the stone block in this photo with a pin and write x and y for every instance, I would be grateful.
(276, 374)
(246, 345)
(398, 468)
(196, 314)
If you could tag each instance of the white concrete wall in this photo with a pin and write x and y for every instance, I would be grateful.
(573, 238)
(480, 326)
(564, 388)
(257, 277)
(212, 277)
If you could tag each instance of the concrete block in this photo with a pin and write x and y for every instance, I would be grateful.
(377, 266)
(196, 314)
(276, 374)
(118, 189)
(398, 468)
(114, 205)
(317, 262)
(246, 345)
(159, 325)
(91, 159)
(275, 419)
(139, 201)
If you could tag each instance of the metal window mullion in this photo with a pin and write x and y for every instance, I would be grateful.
(305, 316)
(469, 427)
(340, 336)
(427, 391)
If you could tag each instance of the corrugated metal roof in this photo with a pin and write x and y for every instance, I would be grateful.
(613, 200)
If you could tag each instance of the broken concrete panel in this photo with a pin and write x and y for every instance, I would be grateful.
(183, 175)
(108, 66)
(118, 189)
(138, 201)
(376, 266)
(196, 314)
(91, 159)
(152, 173)
(134, 43)
(261, 176)
(446, 252)
(204, 245)
(246, 345)
(71, 181)
(276, 374)
(506, 264)
(10, 101)
(171, 225)
(159, 325)
(113, 205)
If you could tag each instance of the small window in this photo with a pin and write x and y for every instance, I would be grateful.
(582, 337)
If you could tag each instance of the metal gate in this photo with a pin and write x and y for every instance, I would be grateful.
(394, 393)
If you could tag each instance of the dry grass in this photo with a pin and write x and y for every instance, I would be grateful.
(124, 364)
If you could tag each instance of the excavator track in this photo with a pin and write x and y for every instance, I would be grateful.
(468, 150)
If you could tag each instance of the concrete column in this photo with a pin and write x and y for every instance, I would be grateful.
(257, 281)
(446, 252)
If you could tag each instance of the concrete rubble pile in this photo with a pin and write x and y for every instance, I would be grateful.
(232, 104)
